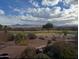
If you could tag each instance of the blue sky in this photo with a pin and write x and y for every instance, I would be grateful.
(9, 5)
(60, 12)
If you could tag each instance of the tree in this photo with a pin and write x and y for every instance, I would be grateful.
(1, 26)
(41, 56)
(5, 29)
(47, 26)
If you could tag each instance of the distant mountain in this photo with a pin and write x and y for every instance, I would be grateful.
(39, 25)
(24, 26)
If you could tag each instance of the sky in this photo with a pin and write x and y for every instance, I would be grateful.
(39, 12)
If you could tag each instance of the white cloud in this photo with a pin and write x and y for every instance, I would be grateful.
(51, 14)
(72, 1)
(39, 12)
(42, 15)
(29, 17)
(7, 20)
(49, 2)
(35, 4)
(2, 12)
(17, 10)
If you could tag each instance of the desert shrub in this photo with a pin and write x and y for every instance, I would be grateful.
(11, 37)
(28, 53)
(31, 36)
(65, 32)
(49, 42)
(42, 38)
(61, 50)
(39, 51)
(53, 38)
(23, 42)
(41, 56)
(19, 37)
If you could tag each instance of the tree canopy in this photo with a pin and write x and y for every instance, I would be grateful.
(48, 26)
(1, 26)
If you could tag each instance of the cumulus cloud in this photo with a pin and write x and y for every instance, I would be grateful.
(8, 20)
(49, 2)
(35, 4)
(2, 12)
(45, 14)
(72, 1)
(50, 14)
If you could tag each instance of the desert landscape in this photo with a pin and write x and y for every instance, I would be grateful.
(38, 29)
(14, 43)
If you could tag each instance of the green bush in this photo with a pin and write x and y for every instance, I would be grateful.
(31, 36)
(28, 53)
(53, 38)
(19, 37)
(61, 50)
(41, 56)
(1, 26)
(11, 37)
(49, 42)
(65, 32)
(42, 38)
